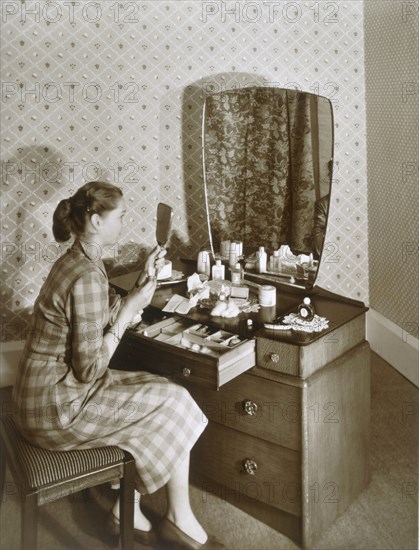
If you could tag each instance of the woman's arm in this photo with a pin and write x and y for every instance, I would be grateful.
(90, 352)
(91, 349)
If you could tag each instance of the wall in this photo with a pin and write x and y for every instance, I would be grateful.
(391, 57)
(391, 64)
(115, 90)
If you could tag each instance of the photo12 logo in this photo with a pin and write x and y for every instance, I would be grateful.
(57, 172)
(271, 11)
(54, 12)
(53, 92)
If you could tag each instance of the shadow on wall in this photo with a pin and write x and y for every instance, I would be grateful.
(194, 194)
(33, 182)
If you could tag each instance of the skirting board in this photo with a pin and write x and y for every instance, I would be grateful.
(394, 344)
(389, 341)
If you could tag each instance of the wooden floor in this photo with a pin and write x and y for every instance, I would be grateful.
(383, 517)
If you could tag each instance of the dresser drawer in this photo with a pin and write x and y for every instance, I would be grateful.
(248, 468)
(303, 360)
(263, 408)
(186, 351)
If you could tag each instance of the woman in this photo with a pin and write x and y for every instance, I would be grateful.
(67, 396)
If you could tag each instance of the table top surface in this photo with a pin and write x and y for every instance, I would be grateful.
(337, 309)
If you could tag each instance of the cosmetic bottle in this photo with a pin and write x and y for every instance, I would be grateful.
(262, 259)
(236, 274)
(276, 261)
(218, 270)
(203, 264)
(225, 250)
(306, 310)
(234, 253)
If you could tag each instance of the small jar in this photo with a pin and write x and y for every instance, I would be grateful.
(267, 296)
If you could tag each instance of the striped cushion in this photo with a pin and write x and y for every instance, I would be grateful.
(42, 467)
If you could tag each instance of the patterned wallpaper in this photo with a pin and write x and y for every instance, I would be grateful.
(391, 66)
(114, 90)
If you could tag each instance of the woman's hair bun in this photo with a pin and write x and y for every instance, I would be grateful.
(61, 221)
(71, 215)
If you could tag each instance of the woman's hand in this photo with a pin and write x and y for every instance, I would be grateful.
(155, 261)
(153, 264)
(138, 299)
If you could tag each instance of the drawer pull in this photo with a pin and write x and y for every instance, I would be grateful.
(250, 466)
(186, 372)
(250, 407)
(274, 357)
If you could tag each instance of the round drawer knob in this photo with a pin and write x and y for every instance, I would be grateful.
(250, 466)
(274, 357)
(186, 372)
(250, 407)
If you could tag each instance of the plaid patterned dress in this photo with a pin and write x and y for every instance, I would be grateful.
(66, 396)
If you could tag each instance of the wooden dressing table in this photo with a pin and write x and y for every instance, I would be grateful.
(288, 434)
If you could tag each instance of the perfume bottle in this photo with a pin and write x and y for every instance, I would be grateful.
(234, 253)
(203, 264)
(306, 310)
(262, 259)
(276, 261)
(236, 274)
(218, 270)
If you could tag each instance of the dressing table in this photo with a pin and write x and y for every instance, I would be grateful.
(288, 434)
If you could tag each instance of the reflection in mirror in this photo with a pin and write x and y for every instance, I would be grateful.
(267, 156)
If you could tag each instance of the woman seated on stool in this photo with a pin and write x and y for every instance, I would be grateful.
(78, 401)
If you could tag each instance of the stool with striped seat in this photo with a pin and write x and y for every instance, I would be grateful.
(45, 476)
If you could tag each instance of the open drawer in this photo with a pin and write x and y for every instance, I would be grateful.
(184, 350)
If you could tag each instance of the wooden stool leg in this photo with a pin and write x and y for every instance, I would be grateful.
(3, 462)
(127, 506)
(29, 522)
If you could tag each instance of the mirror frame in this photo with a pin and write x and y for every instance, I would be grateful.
(272, 277)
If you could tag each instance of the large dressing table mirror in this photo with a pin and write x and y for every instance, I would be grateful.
(267, 165)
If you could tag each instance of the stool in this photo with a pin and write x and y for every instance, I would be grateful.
(46, 476)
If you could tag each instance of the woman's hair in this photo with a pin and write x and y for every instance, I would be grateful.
(71, 214)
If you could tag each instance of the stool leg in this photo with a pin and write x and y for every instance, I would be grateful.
(127, 506)
(3, 462)
(29, 522)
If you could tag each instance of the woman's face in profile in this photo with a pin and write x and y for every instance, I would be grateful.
(112, 224)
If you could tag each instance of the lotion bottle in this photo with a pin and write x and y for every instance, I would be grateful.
(218, 270)
(276, 262)
(233, 255)
(262, 259)
(236, 275)
(203, 264)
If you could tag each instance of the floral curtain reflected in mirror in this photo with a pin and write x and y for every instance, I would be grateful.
(267, 168)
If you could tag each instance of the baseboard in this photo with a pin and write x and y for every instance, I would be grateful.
(9, 358)
(394, 344)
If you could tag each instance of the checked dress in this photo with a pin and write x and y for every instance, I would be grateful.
(67, 398)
